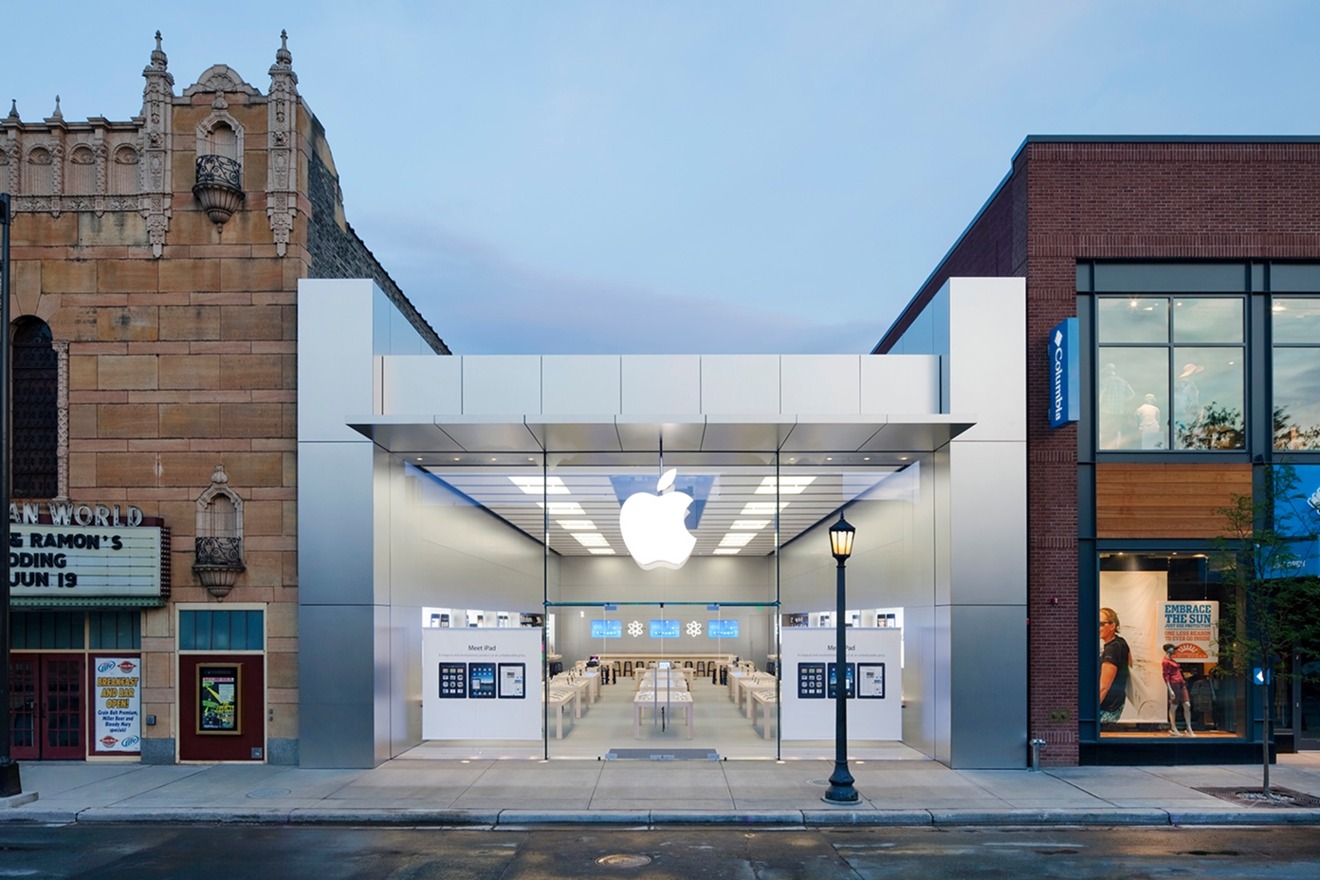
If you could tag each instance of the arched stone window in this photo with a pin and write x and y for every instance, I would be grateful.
(35, 410)
(82, 171)
(40, 173)
(124, 171)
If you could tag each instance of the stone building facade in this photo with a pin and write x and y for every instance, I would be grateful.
(154, 267)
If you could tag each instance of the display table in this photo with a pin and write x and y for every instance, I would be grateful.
(653, 681)
(581, 688)
(655, 702)
(767, 702)
(558, 699)
(750, 685)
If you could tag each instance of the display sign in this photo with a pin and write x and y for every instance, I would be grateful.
(1192, 628)
(72, 561)
(117, 705)
(1064, 367)
(665, 629)
(722, 629)
(607, 629)
(873, 682)
(495, 672)
(217, 699)
(1297, 517)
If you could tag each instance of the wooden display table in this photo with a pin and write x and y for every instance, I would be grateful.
(656, 702)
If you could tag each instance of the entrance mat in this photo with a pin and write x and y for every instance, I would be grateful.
(661, 755)
(1254, 797)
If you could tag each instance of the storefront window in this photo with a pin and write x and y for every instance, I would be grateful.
(1296, 333)
(1160, 671)
(1170, 373)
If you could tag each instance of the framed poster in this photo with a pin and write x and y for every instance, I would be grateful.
(217, 698)
(513, 681)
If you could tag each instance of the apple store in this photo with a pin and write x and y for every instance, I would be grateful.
(603, 556)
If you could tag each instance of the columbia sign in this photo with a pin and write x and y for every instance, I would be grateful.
(1064, 382)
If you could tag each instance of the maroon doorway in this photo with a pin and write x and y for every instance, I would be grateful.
(238, 732)
(48, 707)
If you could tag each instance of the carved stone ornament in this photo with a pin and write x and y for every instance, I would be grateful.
(219, 540)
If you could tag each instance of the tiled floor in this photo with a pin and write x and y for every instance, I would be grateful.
(607, 725)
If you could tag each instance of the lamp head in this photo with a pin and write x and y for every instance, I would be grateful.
(841, 538)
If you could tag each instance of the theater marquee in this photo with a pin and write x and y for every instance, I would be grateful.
(103, 554)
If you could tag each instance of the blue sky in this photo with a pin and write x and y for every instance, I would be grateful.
(687, 176)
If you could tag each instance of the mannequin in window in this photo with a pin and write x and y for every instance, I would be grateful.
(1149, 424)
(1176, 685)
(1114, 396)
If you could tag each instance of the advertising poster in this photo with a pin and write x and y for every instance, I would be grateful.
(117, 718)
(1191, 628)
(481, 683)
(217, 698)
(1138, 598)
(873, 683)
(1297, 516)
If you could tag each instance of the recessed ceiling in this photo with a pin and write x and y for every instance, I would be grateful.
(733, 511)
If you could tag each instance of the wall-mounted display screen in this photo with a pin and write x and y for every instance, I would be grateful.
(665, 629)
(607, 629)
(722, 629)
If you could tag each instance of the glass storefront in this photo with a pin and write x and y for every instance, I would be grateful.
(1161, 673)
(625, 642)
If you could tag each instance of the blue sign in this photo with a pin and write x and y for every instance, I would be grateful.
(665, 629)
(607, 629)
(1065, 381)
(1297, 518)
(1260, 675)
(722, 629)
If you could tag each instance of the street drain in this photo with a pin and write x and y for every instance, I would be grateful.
(623, 860)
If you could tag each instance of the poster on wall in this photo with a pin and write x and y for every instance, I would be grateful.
(217, 698)
(1137, 600)
(494, 672)
(1191, 627)
(872, 682)
(117, 719)
(1297, 516)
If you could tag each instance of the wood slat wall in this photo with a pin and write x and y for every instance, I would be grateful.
(1166, 500)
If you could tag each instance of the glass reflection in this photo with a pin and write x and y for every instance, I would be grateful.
(1132, 319)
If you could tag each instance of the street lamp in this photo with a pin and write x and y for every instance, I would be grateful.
(841, 789)
(10, 783)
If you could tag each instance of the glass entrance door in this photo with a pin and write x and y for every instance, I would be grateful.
(674, 680)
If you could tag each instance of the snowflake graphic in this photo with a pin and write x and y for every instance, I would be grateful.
(635, 628)
(694, 628)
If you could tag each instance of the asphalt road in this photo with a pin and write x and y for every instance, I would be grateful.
(229, 852)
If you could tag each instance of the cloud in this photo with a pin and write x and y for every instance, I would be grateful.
(483, 302)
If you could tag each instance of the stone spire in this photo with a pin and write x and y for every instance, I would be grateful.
(281, 161)
(157, 186)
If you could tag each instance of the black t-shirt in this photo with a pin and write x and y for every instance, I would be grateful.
(1117, 653)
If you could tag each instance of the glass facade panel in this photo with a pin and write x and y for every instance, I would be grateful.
(1296, 333)
(1208, 398)
(220, 630)
(1133, 398)
(1297, 398)
(1160, 671)
(1208, 319)
(1153, 391)
(1132, 319)
(115, 630)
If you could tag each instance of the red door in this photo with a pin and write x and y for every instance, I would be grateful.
(48, 706)
(238, 731)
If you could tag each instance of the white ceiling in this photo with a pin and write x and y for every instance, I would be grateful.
(586, 501)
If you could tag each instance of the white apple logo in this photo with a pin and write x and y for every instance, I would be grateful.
(652, 526)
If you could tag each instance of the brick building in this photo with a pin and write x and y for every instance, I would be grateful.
(1183, 260)
(155, 265)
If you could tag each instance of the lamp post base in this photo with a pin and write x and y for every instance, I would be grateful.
(841, 789)
(10, 783)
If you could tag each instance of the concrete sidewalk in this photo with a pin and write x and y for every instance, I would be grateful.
(505, 793)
